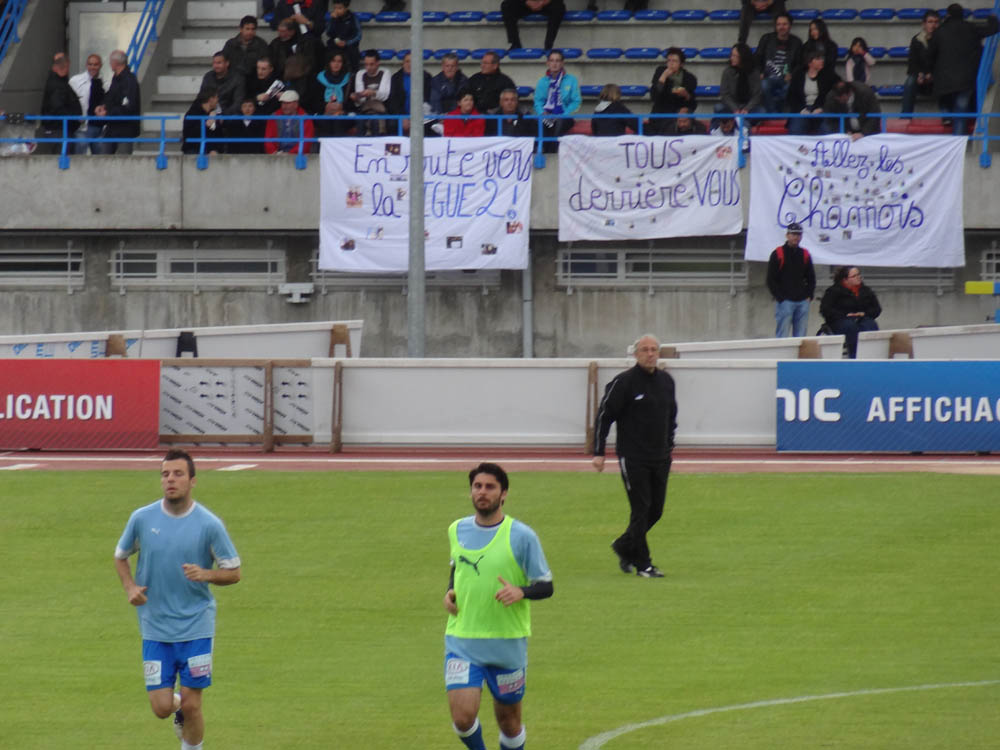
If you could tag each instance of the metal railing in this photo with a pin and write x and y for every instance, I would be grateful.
(829, 123)
(10, 17)
(984, 79)
(145, 32)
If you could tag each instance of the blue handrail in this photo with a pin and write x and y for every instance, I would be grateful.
(205, 143)
(145, 32)
(10, 17)
(984, 79)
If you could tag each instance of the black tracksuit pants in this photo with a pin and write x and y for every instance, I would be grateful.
(646, 485)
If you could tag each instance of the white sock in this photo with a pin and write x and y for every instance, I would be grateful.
(518, 741)
(186, 746)
(468, 732)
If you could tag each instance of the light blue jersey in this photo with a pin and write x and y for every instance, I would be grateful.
(176, 609)
(509, 653)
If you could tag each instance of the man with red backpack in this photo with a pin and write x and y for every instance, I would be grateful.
(792, 282)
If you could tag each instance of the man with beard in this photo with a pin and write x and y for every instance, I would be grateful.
(245, 49)
(179, 542)
(497, 566)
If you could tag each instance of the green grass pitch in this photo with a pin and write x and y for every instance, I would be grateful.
(778, 586)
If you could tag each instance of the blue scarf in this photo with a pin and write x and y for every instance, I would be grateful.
(553, 102)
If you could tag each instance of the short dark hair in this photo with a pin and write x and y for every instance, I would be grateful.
(676, 51)
(785, 16)
(222, 54)
(956, 11)
(841, 274)
(929, 13)
(815, 55)
(493, 470)
(372, 53)
(175, 454)
(248, 19)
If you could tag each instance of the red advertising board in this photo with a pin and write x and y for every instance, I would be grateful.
(79, 404)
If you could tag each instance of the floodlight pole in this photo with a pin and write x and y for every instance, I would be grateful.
(415, 305)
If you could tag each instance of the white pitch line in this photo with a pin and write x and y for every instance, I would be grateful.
(237, 467)
(17, 467)
(600, 740)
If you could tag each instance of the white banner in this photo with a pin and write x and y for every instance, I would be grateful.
(641, 187)
(477, 198)
(883, 200)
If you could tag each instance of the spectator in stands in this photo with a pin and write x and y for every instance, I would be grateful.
(90, 91)
(859, 62)
(861, 101)
(245, 49)
(954, 51)
(343, 34)
(286, 133)
(229, 85)
(204, 105)
(739, 89)
(445, 87)
(58, 99)
(290, 41)
(265, 87)
(393, 6)
(557, 95)
(777, 56)
(673, 87)
(245, 129)
(307, 15)
(335, 81)
(298, 78)
(122, 99)
(723, 126)
(371, 92)
(751, 9)
(514, 121)
(514, 10)
(807, 93)
(687, 125)
(819, 41)
(471, 125)
(849, 307)
(339, 126)
(399, 93)
(610, 103)
(791, 280)
(919, 67)
(487, 84)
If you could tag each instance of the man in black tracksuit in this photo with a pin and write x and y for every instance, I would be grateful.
(641, 400)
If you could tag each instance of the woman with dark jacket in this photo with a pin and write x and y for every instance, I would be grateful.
(739, 89)
(610, 103)
(807, 93)
(673, 87)
(819, 41)
(849, 307)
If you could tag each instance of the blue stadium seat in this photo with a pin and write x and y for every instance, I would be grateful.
(526, 53)
(731, 14)
(388, 54)
(715, 53)
(642, 53)
(899, 53)
(494, 16)
(267, 17)
(571, 53)
(981, 13)
(605, 53)
(690, 15)
(877, 14)
(579, 15)
(401, 53)
(652, 15)
(591, 90)
(890, 90)
(461, 53)
(525, 90)
(393, 16)
(839, 14)
(535, 18)
(467, 16)
(614, 15)
(364, 17)
(706, 91)
(841, 53)
(434, 16)
(911, 14)
(878, 52)
(803, 14)
(635, 90)
(689, 52)
(477, 54)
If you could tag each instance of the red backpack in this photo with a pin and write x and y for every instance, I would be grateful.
(781, 256)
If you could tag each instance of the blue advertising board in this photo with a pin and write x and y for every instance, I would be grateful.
(895, 405)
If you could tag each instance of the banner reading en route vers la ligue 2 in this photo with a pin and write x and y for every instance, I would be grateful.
(883, 200)
(642, 187)
(477, 199)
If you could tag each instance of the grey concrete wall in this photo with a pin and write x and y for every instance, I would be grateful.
(23, 73)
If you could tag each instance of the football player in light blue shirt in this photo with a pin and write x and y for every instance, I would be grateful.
(178, 541)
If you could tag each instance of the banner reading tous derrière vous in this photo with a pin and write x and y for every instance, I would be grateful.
(66, 404)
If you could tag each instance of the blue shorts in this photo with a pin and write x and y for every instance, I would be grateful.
(507, 685)
(162, 661)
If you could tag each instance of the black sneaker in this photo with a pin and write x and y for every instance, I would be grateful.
(179, 724)
(624, 564)
(650, 572)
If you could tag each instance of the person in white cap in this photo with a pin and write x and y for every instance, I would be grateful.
(291, 130)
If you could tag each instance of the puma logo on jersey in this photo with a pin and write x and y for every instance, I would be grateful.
(475, 565)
